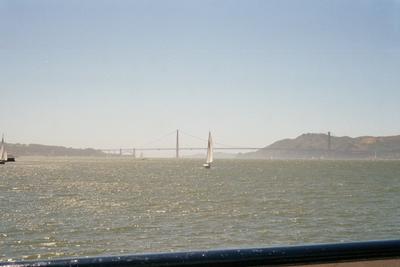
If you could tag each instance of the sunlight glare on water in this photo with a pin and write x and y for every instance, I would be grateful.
(52, 208)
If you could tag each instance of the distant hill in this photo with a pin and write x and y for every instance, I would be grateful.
(312, 145)
(44, 150)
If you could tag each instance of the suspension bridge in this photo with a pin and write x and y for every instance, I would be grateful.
(177, 148)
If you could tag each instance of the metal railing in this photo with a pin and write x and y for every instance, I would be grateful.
(275, 256)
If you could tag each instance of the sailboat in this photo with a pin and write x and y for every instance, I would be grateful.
(3, 152)
(210, 152)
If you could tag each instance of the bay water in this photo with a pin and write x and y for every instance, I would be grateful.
(66, 207)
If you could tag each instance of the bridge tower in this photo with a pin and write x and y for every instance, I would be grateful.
(177, 144)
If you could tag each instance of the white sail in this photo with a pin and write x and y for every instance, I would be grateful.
(3, 152)
(210, 151)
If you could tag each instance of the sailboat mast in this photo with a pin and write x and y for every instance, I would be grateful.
(3, 153)
(177, 144)
(209, 149)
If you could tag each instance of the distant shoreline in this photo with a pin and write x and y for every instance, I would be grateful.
(311, 146)
(130, 158)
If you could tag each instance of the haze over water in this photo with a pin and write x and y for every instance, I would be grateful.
(64, 207)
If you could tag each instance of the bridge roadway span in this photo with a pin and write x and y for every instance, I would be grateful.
(180, 148)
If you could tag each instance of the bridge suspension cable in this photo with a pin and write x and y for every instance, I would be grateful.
(159, 138)
(147, 146)
(217, 143)
(196, 137)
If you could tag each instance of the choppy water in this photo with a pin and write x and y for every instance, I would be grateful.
(83, 207)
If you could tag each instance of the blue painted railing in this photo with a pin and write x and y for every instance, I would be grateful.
(276, 256)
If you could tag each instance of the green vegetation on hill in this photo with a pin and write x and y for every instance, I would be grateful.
(313, 145)
(44, 150)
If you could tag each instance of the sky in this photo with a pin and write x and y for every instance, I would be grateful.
(109, 74)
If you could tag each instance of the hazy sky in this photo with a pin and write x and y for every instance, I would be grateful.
(122, 73)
